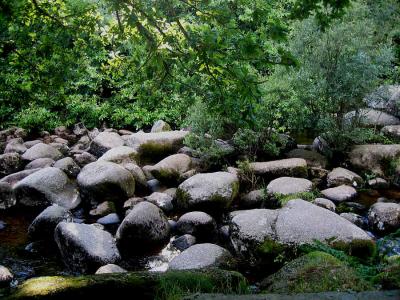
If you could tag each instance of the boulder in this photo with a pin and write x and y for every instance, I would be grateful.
(373, 157)
(183, 242)
(372, 118)
(312, 273)
(325, 203)
(289, 186)
(385, 98)
(355, 219)
(45, 187)
(30, 144)
(253, 199)
(156, 144)
(42, 227)
(199, 224)
(110, 268)
(84, 158)
(171, 168)
(162, 200)
(384, 217)
(5, 276)
(103, 209)
(41, 151)
(85, 248)
(110, 219)
(378, 183)
(208, 191)
(119, 155)
(7, 197)
(340, 193)
(293, 167)
(138, 174)
(105, 141)
(106, 181)
(322, 146)
(143, 230)
(392, 131)
(339, 176)
(160, 126)
(40, 163)
(68, 166)
(14, 178)
(10, 163)
(15, 146)
(313, 158)
(202, 256)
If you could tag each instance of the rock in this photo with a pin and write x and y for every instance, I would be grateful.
(7, 198)
(171, 192)
(313, 158)
(103, 209)
(293, 167)
(10, 163)
(314, 272)
(45, 187)
(110, 219)
(183, 242)
(392, 131)
(138, 174)
(41, 151)
(156, 144)
(321, 145)
(155, 185)
(208, 191)
(131, 202)
(30, 144)
(84, 159)
(143, 230)
(85, 248)
(15, 146)
(40, 163)
(288, 186)
(14, 178)
(372, 118)
(105, 141)
(162, 200)
(106, 181)
(63, 148)
(171, 169)
(125, 132)
(378, 183)
(340, 176)
(264, 233)
(253, 199)
(5, 276)
(110, 268)
(80, 129)
(68, 166)
(355, 219)
(42, 227)
(386, 98)
(325, 203)
(340, 193)
(119, 155)
(199, 224)
(160, 126)
(385, 217)
(372, 157)
(202, 256)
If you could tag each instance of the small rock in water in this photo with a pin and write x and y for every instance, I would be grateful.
(340, 194)
(110, 268)
(110, 219)
(183, 242)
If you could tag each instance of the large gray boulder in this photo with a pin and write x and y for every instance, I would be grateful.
(313, 158)
(340, 193)
(162, 200)
(105, 141)
(41, 151)
(392, 131)
(372, 118)
(14, 178)
(40, 163)
(160, 126)
(45, 187)
(85, 248)
(339, 176)
(144, 229)
(385, 98)
(68, 166)
(110, 268)
(106, 181)
(171, 168)
(371, 157)
(384, 217)
(15, 146)
(198, 224)
(10, 163)
(263, 232)
(42, 227)
(208, 191)
(202, 256)
(156, 144)
(292, 167)
(119, 155)
(289, 186)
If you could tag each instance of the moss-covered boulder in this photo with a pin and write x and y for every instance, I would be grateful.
(291, 167)
(139, 285)
(314, 272)
(170, 170)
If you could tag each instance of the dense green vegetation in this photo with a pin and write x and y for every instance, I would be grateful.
(247, 69)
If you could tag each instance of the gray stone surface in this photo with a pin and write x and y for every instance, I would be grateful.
(40, 163)
(199, 224)
(85, 248)
(41, 151)
(160, 126)
(325, 203)
(313, 158)
(120, 154)
(253, 199)
(385, 217)
(105, 141)
(10, 163)
(201, 256)
(184, 241)
(171, 168)
(5, 276)
(340, 193)
(110, 268)
(373, 117)
(339, 176)
(163, 201)
(392, 131)
(289, 185)
(47, 186)
(296, 167)
(68, 166)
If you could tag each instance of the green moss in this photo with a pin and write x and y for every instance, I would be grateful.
(389, 278)
(143, 285)
(270, 248)
(315, 272)
(283, 199)
(361, 248)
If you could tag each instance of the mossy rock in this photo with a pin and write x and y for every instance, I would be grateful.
(141, 285)
(315, 272)
(389, 278)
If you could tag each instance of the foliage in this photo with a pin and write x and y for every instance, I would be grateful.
(307, 196)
